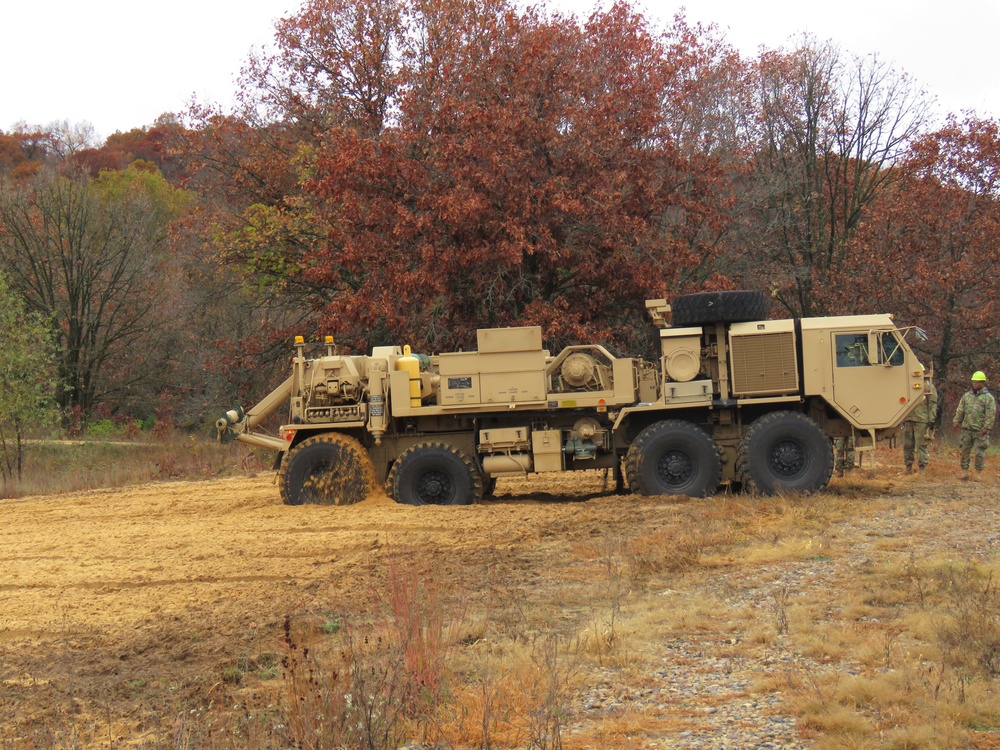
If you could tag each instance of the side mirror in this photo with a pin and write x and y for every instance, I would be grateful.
(874, 345)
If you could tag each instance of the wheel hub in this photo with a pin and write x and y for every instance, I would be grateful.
(433, 487)
(787, 458)
(675, 467)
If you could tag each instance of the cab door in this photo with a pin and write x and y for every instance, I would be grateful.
(870, 377)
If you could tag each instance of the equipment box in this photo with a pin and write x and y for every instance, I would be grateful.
(547, 447)
(523, 339)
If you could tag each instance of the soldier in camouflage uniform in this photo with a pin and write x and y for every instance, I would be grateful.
(917, 428)
(843, 448)
(975, 415)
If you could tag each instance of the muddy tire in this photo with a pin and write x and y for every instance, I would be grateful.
(784, 451)
(329, 469)
(489, 486)
(673, 458)
(435, 474)
(718, 307)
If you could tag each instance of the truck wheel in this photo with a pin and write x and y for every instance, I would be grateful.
(718, 307)
(673, 458)
(435, 474)
(330, 469)
(784, 451)
(489, 486)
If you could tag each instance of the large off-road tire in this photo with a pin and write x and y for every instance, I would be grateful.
(489, 486)
(673, 458)
(330, 469)
(718, 307)
(784, 451)
(435, 474)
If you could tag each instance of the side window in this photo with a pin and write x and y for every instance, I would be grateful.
(890, 351)
(852, 349)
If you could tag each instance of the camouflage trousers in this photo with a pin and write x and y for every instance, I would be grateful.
(969, 441)
(916, 440)
(843, 449)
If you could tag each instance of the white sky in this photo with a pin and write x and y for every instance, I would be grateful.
(119, 65)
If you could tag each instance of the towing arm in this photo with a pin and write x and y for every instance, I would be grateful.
(239, 424)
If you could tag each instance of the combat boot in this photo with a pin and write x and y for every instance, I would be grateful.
(909, 469)
(966, 476)
(979, 476)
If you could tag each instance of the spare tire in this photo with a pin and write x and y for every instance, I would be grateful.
(718, 307)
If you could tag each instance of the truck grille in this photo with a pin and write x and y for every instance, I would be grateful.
(764, 364)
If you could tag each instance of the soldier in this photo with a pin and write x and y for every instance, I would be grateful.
(917, 430)
(845, 458)
(975, 415)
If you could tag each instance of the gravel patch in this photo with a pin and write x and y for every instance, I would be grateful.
(703, 688)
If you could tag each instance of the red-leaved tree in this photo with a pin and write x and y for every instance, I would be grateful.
(930, 249)
(412, 171)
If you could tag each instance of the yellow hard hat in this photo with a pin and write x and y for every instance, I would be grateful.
(979, 375)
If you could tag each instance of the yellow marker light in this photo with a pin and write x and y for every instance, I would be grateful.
(299, 340)
(918, 386)
(328, 339)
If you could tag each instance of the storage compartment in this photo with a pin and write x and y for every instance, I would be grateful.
(514, 376)
(522, 339)
(460, 389)
(696, 391)
(512, 387)
(547, 448)
(502, 439)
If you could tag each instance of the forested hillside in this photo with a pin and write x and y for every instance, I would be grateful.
(399, 172)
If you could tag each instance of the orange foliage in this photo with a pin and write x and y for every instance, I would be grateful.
(930, 249)
(529, 176)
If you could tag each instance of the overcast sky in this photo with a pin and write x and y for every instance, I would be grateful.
(119, 65)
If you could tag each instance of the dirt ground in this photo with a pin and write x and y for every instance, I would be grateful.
(121, 610)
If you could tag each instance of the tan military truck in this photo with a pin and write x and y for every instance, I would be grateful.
(735, 399)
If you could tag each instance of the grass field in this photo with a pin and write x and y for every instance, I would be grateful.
(190, 614)
(116, 460)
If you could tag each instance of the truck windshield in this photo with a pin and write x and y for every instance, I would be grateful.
(852, 349)
(890, 350)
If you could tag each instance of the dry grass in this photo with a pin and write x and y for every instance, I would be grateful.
(918, 641)
(903, 652)
(58, 466)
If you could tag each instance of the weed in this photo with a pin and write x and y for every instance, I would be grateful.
(331, 626)
(970, 634)
(547, 692)
(351, 695)
(779, 606)
(605, 610)
(232, 675)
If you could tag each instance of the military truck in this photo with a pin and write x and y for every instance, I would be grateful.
(734, 400)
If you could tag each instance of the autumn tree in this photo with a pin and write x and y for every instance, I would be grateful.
(832, 132)
(427, 168)
(151, 145)
(87, 256)
(930, 249)
(27, 380)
